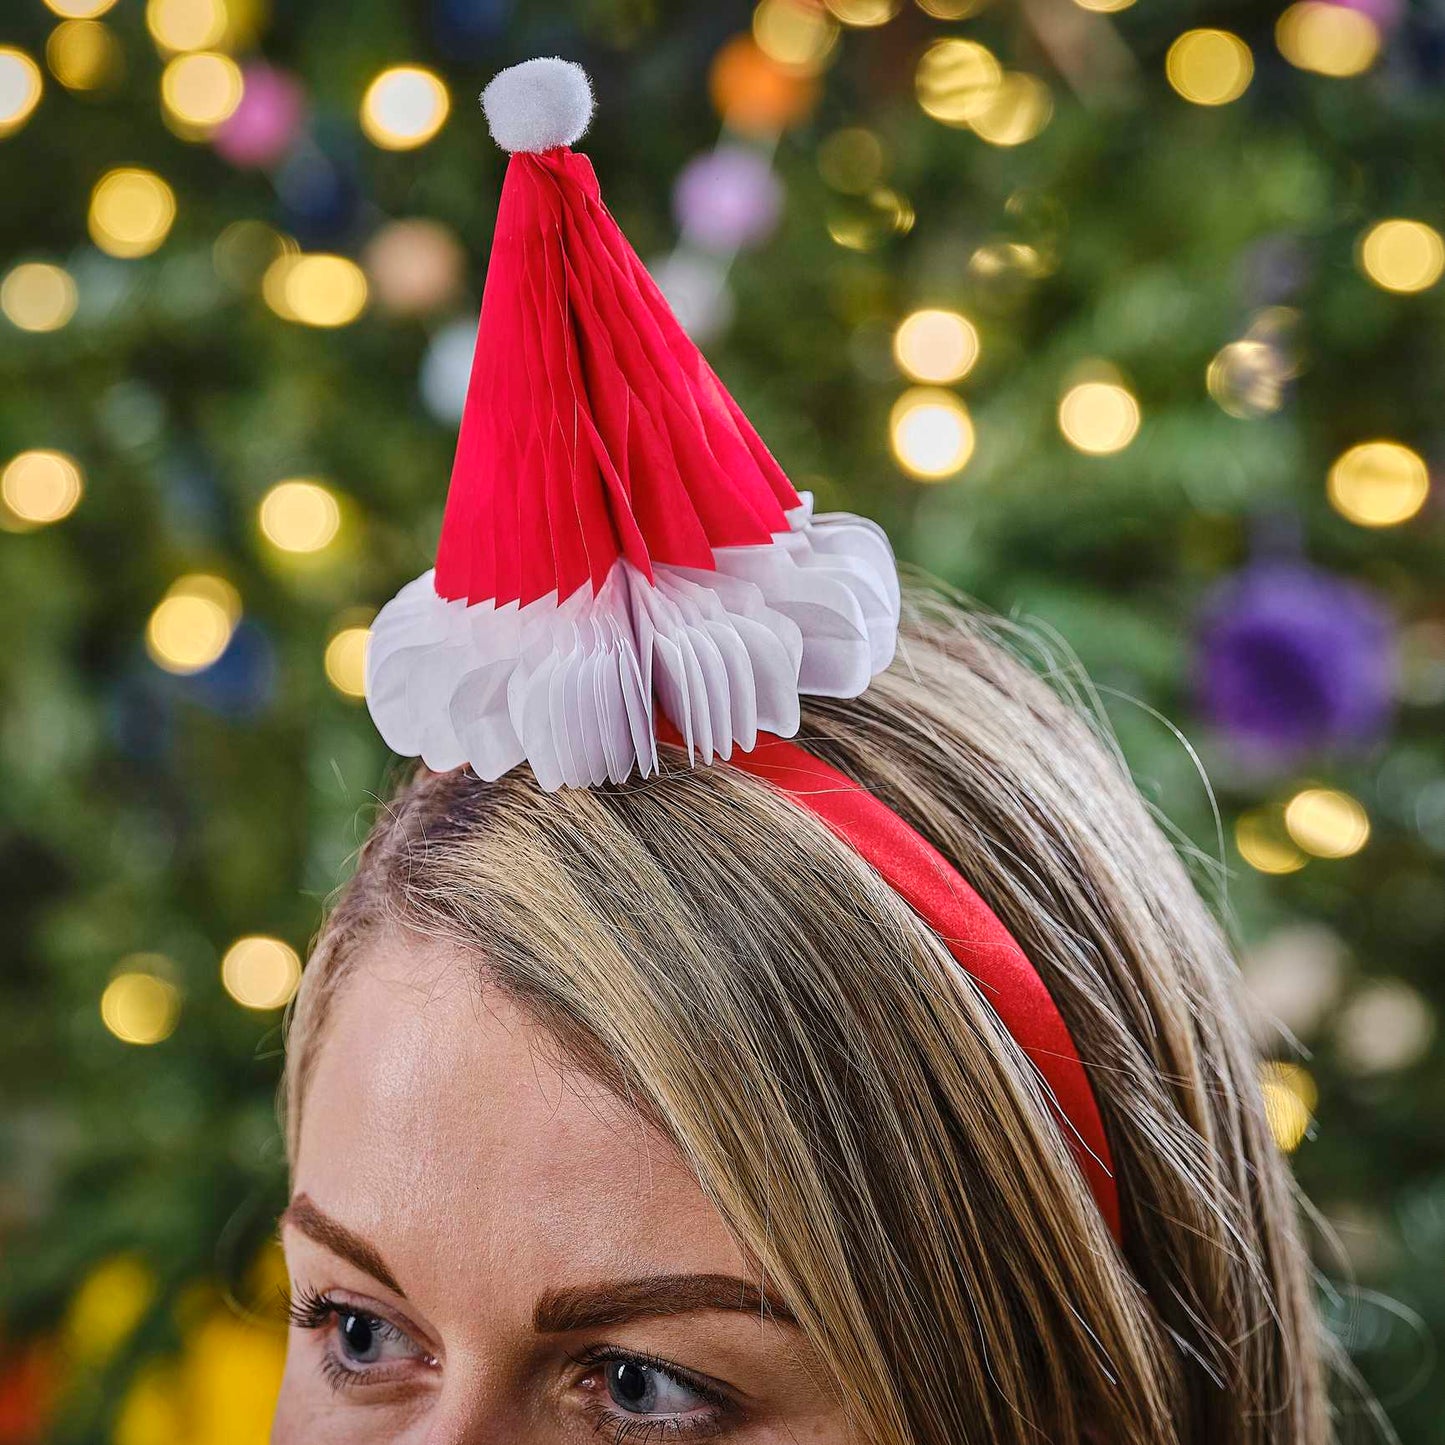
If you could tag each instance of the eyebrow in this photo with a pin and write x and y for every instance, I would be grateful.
(577, 1307)
(303, 1213)
(615, 1302)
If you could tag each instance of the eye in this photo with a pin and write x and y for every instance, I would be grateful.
(360, 1345)
(637, 1396)
(645, 1390)
(363, 1339)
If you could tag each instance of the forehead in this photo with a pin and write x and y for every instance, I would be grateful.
(440, 1123)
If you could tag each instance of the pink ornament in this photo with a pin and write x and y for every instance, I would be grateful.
(263, 127)
(728, 199)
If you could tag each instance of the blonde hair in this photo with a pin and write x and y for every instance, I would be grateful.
(875, 1140)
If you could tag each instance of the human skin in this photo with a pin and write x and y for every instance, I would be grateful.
(487, 1245)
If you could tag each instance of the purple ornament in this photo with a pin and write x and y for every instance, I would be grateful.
(264, 126)
(727, 199)
(1293, 659)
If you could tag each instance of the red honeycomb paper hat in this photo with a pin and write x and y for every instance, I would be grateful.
(617, 539)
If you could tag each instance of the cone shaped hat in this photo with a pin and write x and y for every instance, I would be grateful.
(617, 539)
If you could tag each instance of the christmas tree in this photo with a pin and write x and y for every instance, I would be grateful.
(1120, 318)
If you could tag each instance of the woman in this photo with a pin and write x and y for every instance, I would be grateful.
(660, 1106)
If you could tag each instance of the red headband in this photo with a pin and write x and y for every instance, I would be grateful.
(984, 948)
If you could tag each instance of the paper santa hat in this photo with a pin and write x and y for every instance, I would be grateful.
(617, 539)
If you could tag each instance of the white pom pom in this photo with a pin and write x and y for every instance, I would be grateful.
(538, 104)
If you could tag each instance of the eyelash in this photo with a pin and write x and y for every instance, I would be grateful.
(309, 1309)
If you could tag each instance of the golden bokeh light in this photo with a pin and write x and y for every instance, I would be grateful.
(1247, 378)
(865, 223)
(315, 290)
(1018, 108)
(852, 160)
(192, 624)
(346, 661)
(1327, 823)
(1290, 1098)
(261, 972)
(956, 79)
(951, 9)
(1263, 843)
(1401, 255)
(138, 1005)
(1099, 417)
(1379, 484)
(936, 346)
(863, 14)
(39, 487)
(1104, 7)
(796, 34)
(1209, 67)
(79, 9)
(21, 87)
(300, 516)
(177, 25)
(1327, 38)
(404, 107)
(200, 90)
(83, 54)
(932, 433)
(131, 212)
(36, 296)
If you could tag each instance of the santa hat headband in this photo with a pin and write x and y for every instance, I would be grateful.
(617, 538)
(623, 562)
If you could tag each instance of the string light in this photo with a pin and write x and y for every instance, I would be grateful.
(1247, 378)
(1099, 417)
(1264, 845)
(863, 14)
(21, 87)
(131, 212)
(192, 624)
(936, 346)
(956, 79)
(37, 296)
(865, 224)
(346, 661)
(1379, 484)
(404, 107)
(1017, 109)
(138, 1005)
(83, 54)
(1327, 823)
(300, 516)
(1385, 1027)
(932, 433)
(200, 90)
(1327, 38)
(315, 290)
(40, 487)
(1290, 1098)
(1401, 255)
(1209, 67)
(796, 34)
(756, 95)
(79, 9)
(851, 160)
(177, 25)
(260, 972)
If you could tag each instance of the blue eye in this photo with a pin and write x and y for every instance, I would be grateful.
(644, 1390)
